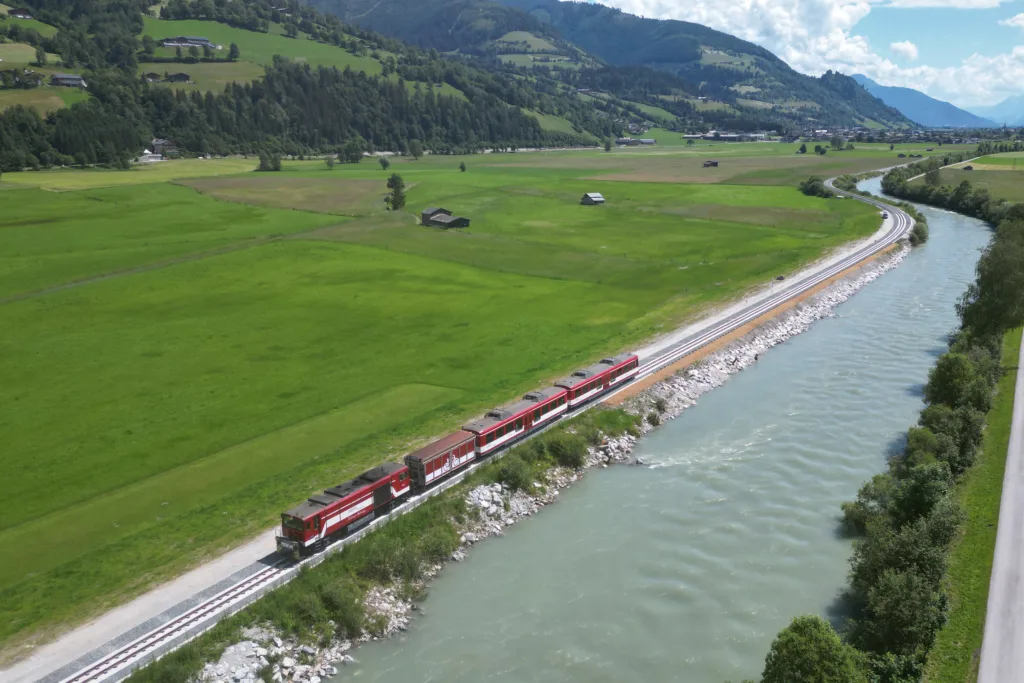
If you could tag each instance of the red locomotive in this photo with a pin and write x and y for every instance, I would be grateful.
(344, 508)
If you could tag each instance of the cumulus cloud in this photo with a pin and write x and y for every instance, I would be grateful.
(904, 49)
(815, 35)
(1016, 21)
(957, 4)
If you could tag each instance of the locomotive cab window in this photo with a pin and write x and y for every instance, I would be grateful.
(293, 523)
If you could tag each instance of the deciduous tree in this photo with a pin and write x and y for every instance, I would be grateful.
(810, 651)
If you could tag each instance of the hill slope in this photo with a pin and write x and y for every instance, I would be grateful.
(708, 63)
(917, 106)
(1009, 112)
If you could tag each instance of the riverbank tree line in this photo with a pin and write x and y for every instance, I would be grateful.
(905, 520)
(294, 109)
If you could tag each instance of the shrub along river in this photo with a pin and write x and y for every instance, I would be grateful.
(686, 569)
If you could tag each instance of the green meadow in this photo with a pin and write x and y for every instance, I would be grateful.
(193, 347)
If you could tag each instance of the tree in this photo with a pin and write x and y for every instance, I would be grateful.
(269, 161)
(837, 142)
(352, 151)
(330, 162)
(849, 146)
(148, 46)
(291, 30)
(81, 159)
(904, 613)
(954, 381)
(207, 52)
(803, 148)
(233, 52)
(178, 54)
(810, 651)
(415, 149)
(384, 162)
(193, 54)
(891, 147)
(933, 178)
(40, 56)
(462, 166)
(396, 200)
(689, 142)
(607, 145)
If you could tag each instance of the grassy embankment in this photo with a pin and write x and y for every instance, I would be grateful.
(162, 415)
(954, 657)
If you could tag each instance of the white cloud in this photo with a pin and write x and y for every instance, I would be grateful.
(1016, 21)
(905, 49)
(815, 35)
(956, 4)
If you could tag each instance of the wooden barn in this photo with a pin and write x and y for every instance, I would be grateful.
(591, 198)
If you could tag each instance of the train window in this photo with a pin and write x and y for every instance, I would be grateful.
(316, 522)
(519, 423)
(490, 437)
(536, 414)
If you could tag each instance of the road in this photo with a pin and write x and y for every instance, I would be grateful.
(1002, 650)
(109, 648)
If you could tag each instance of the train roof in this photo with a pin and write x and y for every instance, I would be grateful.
(335, 494)
(442, 445)
(545, 394)
(511, 410)
(586, 374)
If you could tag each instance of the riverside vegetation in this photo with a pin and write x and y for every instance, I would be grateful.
(907, 520)
(327, 604)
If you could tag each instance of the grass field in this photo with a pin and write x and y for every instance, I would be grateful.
(43, 99)
(954, 658)
(208, 75)
(258, 48)
(160, 415)
(67, 179)
(1006, 184)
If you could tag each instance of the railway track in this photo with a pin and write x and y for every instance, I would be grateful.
(120, 660)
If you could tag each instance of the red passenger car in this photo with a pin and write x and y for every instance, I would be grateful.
(342, 509)
(439, 459)
(504, 425)
(589, 383)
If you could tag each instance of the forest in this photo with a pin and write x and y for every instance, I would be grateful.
(294, 109)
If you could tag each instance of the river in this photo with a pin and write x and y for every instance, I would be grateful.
(685, 570)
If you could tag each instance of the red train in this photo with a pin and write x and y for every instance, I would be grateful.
(339, 510)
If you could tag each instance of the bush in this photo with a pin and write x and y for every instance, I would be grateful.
(514, 473)
(568, 450)
(919, 233)
(815, 187)
(660, 404)
(653, 419)
(810, 651)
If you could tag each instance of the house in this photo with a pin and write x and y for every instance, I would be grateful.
(163, 147)
(591, 198)
(151, 77)
(710, 163)
(178, 78)
(148, 157)
(68, 80)
(631, 142)
(187, 41)
(968, 168)
(19, 13)
(647, 141)
(432, 211)
(442, 218)
(448, 221)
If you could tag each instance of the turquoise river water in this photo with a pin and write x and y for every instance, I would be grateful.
(685, 570)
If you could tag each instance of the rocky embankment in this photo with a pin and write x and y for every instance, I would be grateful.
(495, 507)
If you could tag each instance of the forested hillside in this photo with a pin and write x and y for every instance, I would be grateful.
(294, 109)
(753, 86)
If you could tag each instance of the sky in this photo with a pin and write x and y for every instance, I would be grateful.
(968, 52)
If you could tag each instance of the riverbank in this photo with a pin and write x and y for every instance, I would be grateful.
(955, 655)
(487, 510)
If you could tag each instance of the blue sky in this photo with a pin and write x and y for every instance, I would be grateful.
(944, 36)
(955, 50)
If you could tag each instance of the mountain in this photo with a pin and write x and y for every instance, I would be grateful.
(1009, 112)
(720, 79)
(921, 108)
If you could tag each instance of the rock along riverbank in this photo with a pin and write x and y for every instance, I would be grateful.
(494, 507)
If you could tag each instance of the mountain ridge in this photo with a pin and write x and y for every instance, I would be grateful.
(925, 110)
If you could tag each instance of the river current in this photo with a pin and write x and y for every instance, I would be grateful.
(686, 569)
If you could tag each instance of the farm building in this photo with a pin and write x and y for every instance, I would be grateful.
(68, 80)
(178, 78)
(592, 198)
(710, 163)
(442, 218)
(165, 147)
(647, 141)
(151, 77)
(187, 41)
(631, 142)
(19, 13)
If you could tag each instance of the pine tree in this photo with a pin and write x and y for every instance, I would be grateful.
(397, 186)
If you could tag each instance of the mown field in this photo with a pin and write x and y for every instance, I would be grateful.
(236, 340)
(1007, 184)
(955, 655)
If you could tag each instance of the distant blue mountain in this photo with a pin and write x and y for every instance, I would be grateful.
(1009, 112)
(923, 109)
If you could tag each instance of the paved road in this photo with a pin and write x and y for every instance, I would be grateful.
(110, 647)
(1002, 651)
